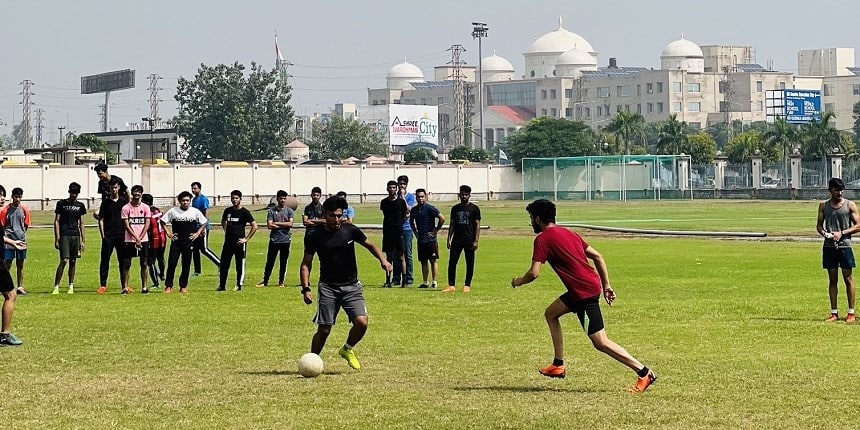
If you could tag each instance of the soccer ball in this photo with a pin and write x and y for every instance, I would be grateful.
(310, 365)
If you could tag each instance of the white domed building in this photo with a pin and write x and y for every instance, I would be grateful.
(402, 75)
(543, 54)
(683, 54)
(495, 68)
(572, 63)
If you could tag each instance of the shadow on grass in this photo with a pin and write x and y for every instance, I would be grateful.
(282, 373)
(532, 389)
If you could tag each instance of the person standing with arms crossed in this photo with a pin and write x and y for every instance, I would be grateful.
(426, 221)
(201, 244)
(394, 211)
(837, 221)
(69, 235)
(568, 255)
(279, 221)
(136, 218)
(464, 231)
(187, 224)
(112, 232)
(338, 286)
(233, 221)
(15, 219)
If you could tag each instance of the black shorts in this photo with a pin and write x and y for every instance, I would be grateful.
(6, 284)
(130, 251)
(428, 251)
(588, 312)
(392, 242)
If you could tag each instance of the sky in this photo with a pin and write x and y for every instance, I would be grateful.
(339, 49)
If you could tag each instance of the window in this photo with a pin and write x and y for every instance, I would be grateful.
(618, 108)
(649, 88)
(543, 112)
(553, 112)
(695, 125)
(500, 134)
(584, 92)
(828, 90)
(856, 89)
(440, 100)
(694, 106)
(489, 138)
(759, 106)
(759, 86)
(829, 107)
(638, 108)
(552, 94)
(694, 87)
(676, 87)
(532, 73)
(638, 89)
(622, 90)
(723, 106)
(649, 108)
(627, 108)
(568, 112)
(659, 87)
(543, 94)
(587, 112)
(724, 86)
(600, 111)
(676, 106)
(782, 85)
(423, 100)
(602, 92)
(568, 93)
(659, 107)
(606, 110)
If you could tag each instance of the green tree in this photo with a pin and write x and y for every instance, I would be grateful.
(856, 115)
(627, 125)
(94, 144)
(550, 137)
(781, 135)
(224, 113)
(701, 148)
(748, 143)
(340, 138)
(672, 136)
(476, 155)
(418, 155)
(820, 138)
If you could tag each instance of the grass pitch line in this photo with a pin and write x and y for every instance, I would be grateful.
(666, 232)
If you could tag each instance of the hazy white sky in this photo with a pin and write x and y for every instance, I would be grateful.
(341, 48)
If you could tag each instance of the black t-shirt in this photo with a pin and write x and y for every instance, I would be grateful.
(111, 213)
(70, 215)
(393, 214)
(463, 217)
(313, 212)
(104, 188)
(336, 250)
(235, 221)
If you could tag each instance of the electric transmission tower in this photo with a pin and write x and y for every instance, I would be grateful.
(103, 117)
(39, 118)
(153, 100)
(459, 96)
(26, 137)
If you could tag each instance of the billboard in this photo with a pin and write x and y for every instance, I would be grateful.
(413, 123)
(119, 80)
(802, 106)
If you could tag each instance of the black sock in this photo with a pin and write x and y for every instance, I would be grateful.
(557, 362)
(643, 372)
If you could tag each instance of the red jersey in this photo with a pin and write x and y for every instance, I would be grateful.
(564, 250)
(157, 234)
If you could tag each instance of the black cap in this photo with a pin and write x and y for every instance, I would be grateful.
(75, 188)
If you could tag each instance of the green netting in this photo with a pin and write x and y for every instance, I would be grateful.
(606, 178)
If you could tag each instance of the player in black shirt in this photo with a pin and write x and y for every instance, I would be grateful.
(234, 220)
(338, 285)
(394, 212)
(104, 183)
(464, 231)
(188, 224)
(68, 235)
(112, 232)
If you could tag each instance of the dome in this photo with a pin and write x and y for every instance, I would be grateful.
(576, 57)
(494, 63)
(560, 40)
(405, 70)
(682, 48)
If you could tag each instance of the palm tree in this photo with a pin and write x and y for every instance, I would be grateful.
(820, 138)
(782, 135)
(627, 125)
(672, 136)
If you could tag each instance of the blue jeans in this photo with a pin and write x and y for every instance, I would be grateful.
(407, 277)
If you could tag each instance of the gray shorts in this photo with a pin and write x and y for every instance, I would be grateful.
(331, 299)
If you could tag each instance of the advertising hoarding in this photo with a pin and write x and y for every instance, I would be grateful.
(802, 106)
(104, 82)
(408, 124)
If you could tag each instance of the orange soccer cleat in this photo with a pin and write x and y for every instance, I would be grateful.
(553, 371)
(643, 383)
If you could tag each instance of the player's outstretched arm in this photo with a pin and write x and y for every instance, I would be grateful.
(529, 276)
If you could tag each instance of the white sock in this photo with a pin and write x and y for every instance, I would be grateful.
(347, 346)
(56, 287)
(850, 310)
(834, 311)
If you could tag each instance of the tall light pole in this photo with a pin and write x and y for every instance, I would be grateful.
(60, 139)
(479, 31)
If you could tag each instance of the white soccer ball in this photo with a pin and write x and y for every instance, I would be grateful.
(310, 365)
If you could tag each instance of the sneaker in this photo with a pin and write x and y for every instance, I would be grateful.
(553, 371)
(183, 290)
(467, 289)
(832, 318)
(56, 291)
(168, 290)
(237, 288)
(281, 285)
(423, 285)
(21, 291)
(126, 291)
(195, 274)
(449, 289)
(102, 290)
(10, 340)
(849, 319)
(434, 285)
(349, 356)
(386, 285)
(261, 284)
(643, 383)
(220, 289)
(71, 290)
(144, 291)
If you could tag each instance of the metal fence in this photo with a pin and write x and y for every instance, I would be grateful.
(607, 178)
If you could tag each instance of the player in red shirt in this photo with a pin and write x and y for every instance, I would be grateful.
(568, 255)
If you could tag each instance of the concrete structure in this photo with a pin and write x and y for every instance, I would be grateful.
(160, 144)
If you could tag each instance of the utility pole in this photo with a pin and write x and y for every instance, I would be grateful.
(39, 127)
(61, 141)
(153, 98)
(459, 94)
(27, 139)
(103, 121)
(479, 31)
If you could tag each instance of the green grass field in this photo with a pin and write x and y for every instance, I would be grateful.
(733, 328)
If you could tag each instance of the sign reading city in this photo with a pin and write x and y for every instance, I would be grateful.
(408, 124)
(105, 82)
(802, 106)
